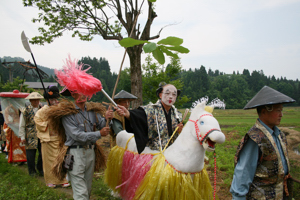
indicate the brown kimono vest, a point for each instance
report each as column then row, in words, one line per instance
column 268, row 182
column 30, row 129
column 155, row 110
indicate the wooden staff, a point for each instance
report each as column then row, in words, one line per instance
column 296, row 180
column 117, row 81
column 185, row 114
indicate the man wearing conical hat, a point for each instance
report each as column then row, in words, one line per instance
column 123, row 98
column 262, row 169
column 27, row 132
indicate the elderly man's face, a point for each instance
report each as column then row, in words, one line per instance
column 34, row 102
column 273, row 118
column 168, row 95
column 79, row 98
column 124, row 102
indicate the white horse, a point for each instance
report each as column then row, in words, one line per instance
column 176, row 173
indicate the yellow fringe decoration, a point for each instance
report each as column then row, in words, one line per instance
column 163, row 182
column 113, row 172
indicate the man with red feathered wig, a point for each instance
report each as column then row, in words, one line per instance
column 81, row 124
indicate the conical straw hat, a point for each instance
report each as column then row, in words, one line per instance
column 34, row 95
column 268, row 96
column 124, row 95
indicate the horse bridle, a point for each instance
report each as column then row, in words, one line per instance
column 200, row 138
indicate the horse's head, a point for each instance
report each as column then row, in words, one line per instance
column 207, row 129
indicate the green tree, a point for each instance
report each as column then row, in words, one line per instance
column 16, row 85
column 256, row 81
column 108, row 18
column 238, row 90
column 124, row 82
column 298, row 93
column 204, row 83
column 286, row 88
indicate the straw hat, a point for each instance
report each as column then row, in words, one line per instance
column 268, row 96
column 124, row 95
column 34, row 95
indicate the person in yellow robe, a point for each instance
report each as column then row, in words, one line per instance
column 49, row 139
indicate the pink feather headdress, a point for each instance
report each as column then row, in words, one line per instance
column 75, row 79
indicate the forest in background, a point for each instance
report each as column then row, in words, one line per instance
column 234, row 89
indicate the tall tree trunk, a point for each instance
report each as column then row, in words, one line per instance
column 134, row 54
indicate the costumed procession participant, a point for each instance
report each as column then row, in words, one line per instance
column 261, row 161
column 143, row 121
column 16, row 149
column 27, row 132
column 1, row 130
column 123, row 98
column 11, row 103
column 78, row 126
column 2, row 134
column 49, row 139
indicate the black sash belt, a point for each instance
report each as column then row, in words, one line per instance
column 91, row 146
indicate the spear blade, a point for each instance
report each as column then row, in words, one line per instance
column 27, row 47
column 25, row 42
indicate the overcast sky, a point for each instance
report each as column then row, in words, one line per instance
column 228, row 36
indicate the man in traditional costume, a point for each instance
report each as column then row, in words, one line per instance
column 261, row 161
column 49, row 139
column 27, row 132
column 123, row 98
column 78, row 126
column 145, row 121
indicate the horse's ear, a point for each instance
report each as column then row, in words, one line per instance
column 209, row 109
column 197, row 110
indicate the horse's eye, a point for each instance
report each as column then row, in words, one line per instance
column 202, row 122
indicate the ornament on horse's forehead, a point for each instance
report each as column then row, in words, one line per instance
column 215, row 103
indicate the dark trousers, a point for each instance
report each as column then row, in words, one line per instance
column 30, row 155
column 3, row 147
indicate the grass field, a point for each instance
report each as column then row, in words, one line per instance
column 16, row 184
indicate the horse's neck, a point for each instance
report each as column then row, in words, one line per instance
column 186, row 154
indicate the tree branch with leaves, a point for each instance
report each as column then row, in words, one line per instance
column 111, row 19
